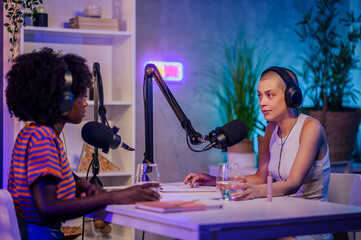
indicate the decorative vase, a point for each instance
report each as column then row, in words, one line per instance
column 341, row 131
column 40, row 17
column 243, row 154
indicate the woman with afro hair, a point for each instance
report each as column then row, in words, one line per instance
column 44, row 188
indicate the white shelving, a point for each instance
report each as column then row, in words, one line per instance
column 115, row 52
column 66, row 32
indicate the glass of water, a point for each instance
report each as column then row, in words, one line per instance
column 227, row 181
column 147, row 173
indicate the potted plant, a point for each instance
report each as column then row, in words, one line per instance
column 328, row 61
column 235, row 77
column 16, row 12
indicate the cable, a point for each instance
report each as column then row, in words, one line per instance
column 282, row 143
column 86, row 178
column 194, row 150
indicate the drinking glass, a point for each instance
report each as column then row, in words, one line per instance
column 93, row 11
column 227, row 181
column 147, row 172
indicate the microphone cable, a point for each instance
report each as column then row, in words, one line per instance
column 190, row 147
column 86, row 179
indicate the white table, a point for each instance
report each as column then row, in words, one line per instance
column 252, row 219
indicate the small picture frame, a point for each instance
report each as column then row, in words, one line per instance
column 87, row 156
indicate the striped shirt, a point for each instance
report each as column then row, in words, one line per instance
column 38, row 152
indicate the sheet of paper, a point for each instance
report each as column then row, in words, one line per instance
column 181, row 187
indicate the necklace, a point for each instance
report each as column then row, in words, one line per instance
column 283, row 143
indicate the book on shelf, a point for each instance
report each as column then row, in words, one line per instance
column 176, row 206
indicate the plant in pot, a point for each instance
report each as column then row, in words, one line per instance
column 16, row 12
column 235, row 77
column 328, row 61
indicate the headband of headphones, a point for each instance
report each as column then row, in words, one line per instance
column 286, row 77
column 67, row 98
column 293, row 94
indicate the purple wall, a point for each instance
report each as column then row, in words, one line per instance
column 1, row 90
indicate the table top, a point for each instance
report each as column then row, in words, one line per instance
column 248, row 213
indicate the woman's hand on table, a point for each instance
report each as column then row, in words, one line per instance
column 201, row 179
column 249, row 190
column 137, row 193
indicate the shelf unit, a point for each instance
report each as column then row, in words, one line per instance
column 115, row 52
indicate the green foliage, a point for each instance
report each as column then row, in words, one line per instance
column 330, row 54
column 236, row 76
column 16, row 14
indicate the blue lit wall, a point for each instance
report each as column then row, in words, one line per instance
column 172, row 30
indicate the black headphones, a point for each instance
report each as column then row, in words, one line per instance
column 293, row 94
column 67, row 99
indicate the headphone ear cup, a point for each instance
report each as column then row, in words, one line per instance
column 66, row 103
column 67, row 100
column 293, row 97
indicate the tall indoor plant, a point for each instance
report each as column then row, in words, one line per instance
column 235, row 76
column 328, row 61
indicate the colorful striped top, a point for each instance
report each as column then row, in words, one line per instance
column 38, row 152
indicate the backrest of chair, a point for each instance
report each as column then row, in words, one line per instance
column 345, row 188
column 9, row 228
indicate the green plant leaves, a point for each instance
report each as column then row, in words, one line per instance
column 16, row 15
column 235, row 75
column 329, row 56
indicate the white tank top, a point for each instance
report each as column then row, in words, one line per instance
column 315, row 185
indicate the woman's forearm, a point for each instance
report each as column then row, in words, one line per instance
column 73, row 208
column 278, row 189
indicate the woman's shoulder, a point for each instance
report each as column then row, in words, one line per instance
column 311, row 126
column 310, row 122
column 271, row 126
column 39, row 131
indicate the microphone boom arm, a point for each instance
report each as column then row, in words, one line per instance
column 101, row 110
column 95, row 156
column 152, row 72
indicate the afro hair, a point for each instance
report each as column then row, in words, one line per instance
column 36, row 84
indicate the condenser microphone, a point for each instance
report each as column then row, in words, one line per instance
column 101, row 136
column 228, row 135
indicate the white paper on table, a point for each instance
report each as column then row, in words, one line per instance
column 181, row 187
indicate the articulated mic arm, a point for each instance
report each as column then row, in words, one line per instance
column 151, row 72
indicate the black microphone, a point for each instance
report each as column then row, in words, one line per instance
column 228, row 135
column 101, row 136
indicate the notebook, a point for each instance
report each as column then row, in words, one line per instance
column 176, row 206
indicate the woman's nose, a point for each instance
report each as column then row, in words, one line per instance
column 261, row 101
column 85, row 102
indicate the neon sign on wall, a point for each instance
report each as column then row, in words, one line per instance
column 170, row 71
